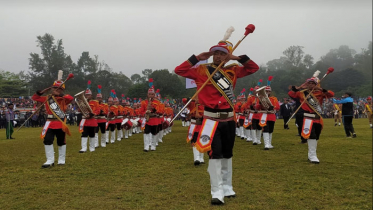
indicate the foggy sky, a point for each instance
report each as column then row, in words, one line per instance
column 131, row 36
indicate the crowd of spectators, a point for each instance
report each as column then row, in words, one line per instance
column 39, row 119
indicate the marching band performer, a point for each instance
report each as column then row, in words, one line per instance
column 161, row 107
column 312, row 119
column 268, row 118
column 248, row 116
column 238, row 108
column 56, row 105
column 337, row 114
column 88, row 124
column 368, row 110
column 196, row 111
column 149, row 108
column 112, row 113
column 184, row 115
column 256, row 131
column 217, row 135
column 127, row 126
column 118, row 118
column 101, row 117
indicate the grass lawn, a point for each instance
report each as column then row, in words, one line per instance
column 122, row 176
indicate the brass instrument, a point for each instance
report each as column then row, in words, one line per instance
column 147, row 113
column 263, row 98
column 83, row 104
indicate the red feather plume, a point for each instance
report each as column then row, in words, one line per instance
column 251, row 89
column 89, row 82
column 157, row 90
column 113, row 91
column 99, row 86
column 260, row 80
column 122, row 95
column 270, row 78
column 150, row 79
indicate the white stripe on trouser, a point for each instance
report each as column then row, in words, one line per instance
column 226, row 169
column 216, row 180
column 49, row 153
column 61, row 154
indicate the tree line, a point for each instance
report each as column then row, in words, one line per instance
column 353, row 72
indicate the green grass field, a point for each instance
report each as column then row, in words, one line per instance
column 122, row 176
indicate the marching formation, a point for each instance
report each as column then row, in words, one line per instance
column 213, row 116
column 115, row 120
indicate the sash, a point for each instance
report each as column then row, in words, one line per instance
column 45, row 129
column 206, row 135
column 124, row 121
column 222, row 83
column 248, row 120
column 263, row 120
column 307, row 127
column 313, row 103
column 81, row 125
column 106, row 125
column 191, row 130
column 143, row 124
column 58, row 113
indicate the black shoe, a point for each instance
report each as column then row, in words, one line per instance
column 216, row 201
column 196, row 163
column 47, row 165
column 145, row 150
column 255, row 143
column 202, row 163
column 12, row 138
column 266, row 148
column 287, row 128
column 82, row 151
column 230, row 196
column 335, row 124
column 354, row 135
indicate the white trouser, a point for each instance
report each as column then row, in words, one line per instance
column 248, row 135
column 119, row 135
column 103, row 139
column 112, row 136
column 92, row 142
column 241, row 132
column 154, row 141
column 61, row 154
column 49, row 153
column 96, row 139
column 147, row 138
column 126, row 133
column 160, row 135
column 216, row 179
column 266, row 140
column 270, row 141
column 84, row 141
column 312, row 147
column 107, row 136
column 226, row 169
column 258, row 136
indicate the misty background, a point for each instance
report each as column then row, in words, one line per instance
column 127, row 38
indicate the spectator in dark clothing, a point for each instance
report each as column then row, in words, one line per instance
column 347, row 113
column 285, row 111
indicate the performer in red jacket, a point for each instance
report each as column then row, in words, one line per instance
column 217, row 134
column 89, row 123
column 56, row 105
column 312, row 119
column 268, row 116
